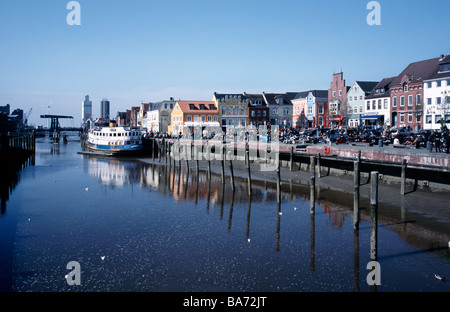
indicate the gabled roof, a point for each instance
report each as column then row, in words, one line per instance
column 218, row 96
column 367, row 86
column 418, row 71
column 436, row 75
column 383, row 84
column 271, row 98
column 195, row 106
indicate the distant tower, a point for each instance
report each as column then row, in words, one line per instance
column 86, row 110
column 104, row 109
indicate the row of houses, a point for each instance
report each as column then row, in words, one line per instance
column 418, row 98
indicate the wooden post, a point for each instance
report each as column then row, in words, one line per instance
column 278, row 177
column 249, row 182
column 318, row 165
column 312, row 166
column 231, row 173
column 292, row 159
column 403, row 178
column 312, row 195
column 373, row 215
column 153, row 148
column 356, row 195
column 223, row 164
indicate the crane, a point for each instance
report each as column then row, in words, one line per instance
column 26, row 116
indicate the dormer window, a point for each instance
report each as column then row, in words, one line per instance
column 211, row 106
column 444, row 67
column 192, row 106
column 405, row 87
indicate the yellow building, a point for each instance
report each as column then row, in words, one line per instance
column 192, row 114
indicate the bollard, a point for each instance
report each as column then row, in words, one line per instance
column 223, row 165
column 373, row 215
column 318, row 165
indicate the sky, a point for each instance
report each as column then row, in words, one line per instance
column 133, row 51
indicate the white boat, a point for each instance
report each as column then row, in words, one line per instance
column 115, row 140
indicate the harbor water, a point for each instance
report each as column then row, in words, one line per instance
column 133, row 226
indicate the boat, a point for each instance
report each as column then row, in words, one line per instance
column 115, row 140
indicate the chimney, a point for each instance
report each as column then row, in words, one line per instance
column 442, row 57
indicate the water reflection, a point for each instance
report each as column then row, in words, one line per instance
column 256, row 216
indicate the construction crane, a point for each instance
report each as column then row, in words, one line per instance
column 26, row 116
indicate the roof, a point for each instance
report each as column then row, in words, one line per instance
column 195, row 106
column 271, row 98
column 367, row 86
column 384, row 83
column 418, row 71
column 436, row 75
column 224, row 95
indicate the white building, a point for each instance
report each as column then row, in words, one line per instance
column 436, row 96
column 158, row 116
column 377, row 106
column 86, row 110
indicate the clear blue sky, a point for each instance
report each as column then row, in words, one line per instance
column 150, row 50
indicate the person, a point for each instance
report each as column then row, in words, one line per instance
column 431, row 139
column 409, row 141
column 396, row 141
column 437, row 142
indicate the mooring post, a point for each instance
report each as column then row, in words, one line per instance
column 373, row 215
column 223, row 165
column 249, row 182
column 291, row 165
column 153, row 148
column 231, row 173
column 278, row 177
column 318, row 165
column 403, row 178
column 356, row 194
column 312, row 196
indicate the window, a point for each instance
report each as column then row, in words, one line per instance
column 429, row 101
column 419, row 117
column 203, row 118
column 379, row 104
column 243, row 122
column 402, row 101
column 429, row 84
column 394, row 102
column 230, row 110
column 410, row 117
column 360, row 109
column 355, row 110
column 264, row 113
column 410, row 100
column 334, row 93
column 216, row 118
column 437, row 118
column 368, row 105
column 385, row 103
column 438, row 100
column 444, row 67
column 419, row 99
column 189, row 118
column 447, row 118
column 224, row 110
column 405, row 88
column 320, row 109
column 211, row 106
column 438, row 83
column 196, row 118
column 258, row 113
column 402, row 118
column 242, row 110
column 340, row 92
column 374, row 105
column 448, row 82
column 428, row 119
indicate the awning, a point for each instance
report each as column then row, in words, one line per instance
column 373, row 117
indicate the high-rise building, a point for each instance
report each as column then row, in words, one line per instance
column 86, row 110
column 104, row 109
